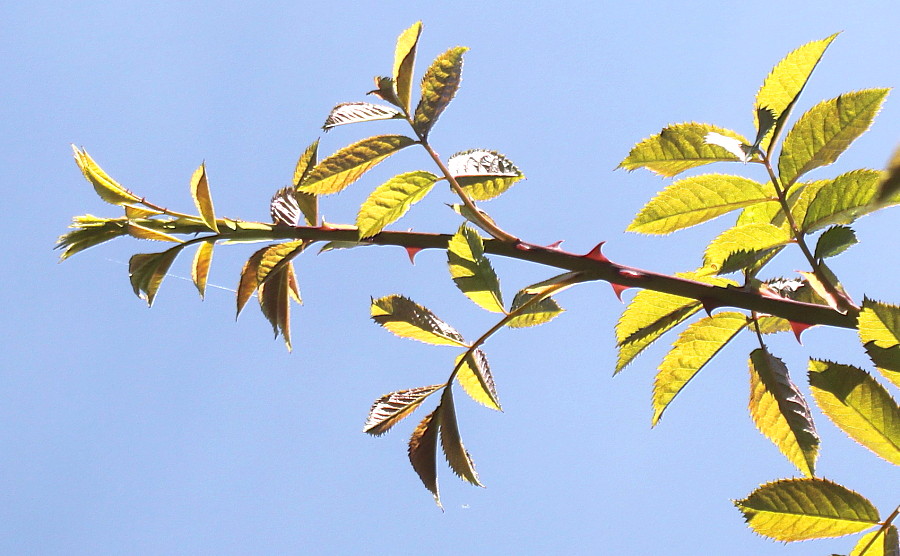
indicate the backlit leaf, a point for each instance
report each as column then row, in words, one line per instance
column 408, row 319
column 483, row 174
column 423, row 451
column 390, row 409
column 275, row 300
column 457, row 456
column 679, row 147
column 404, row 60
column 355, row 112
column 475, row 377
column 306, row 163
column 784, row 84
column 346, row 166
column 826, row 130
column 277, row 256
column 472, row 271
column 89, row 231
column 696, row 199
column 890, row 185
column 780, row 412
column 841, row 200
column 802, row 509
column 200, row 266
column 695, row 347
column 834, row 241
column 143, row 232
column 106, row 187
column 386, row 90
column 883, row 542
column 249, row 280
column 147, row 270
column 439, row 86
column 391, row 200
column 879, row 331
column 285, row 209
column 202, row 199
column 537, row 312
column 742, row 246
column 859, row 405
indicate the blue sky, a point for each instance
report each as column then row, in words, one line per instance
column 175, row 430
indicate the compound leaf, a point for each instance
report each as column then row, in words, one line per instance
column 742, row 246
column 346, row 165
column 859, row 405
column 802, row 509
column 391, row 200
column 780, row 412
column 472, row 271
column 680, row 147
column 202, row 198
column 451, row 442
column 475, row 377
column 390, row 409
column 107, row 188
column 696, row 199
column 408, row 319
column 439, row 86
column 695, row 347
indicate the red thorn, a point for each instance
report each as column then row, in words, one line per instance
column 595, row 254
column 618, row 289
column 555, row 244
column 412, row 252
column 710, row 304
column 798, row 328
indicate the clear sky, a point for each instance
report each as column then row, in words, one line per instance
column 175, row 430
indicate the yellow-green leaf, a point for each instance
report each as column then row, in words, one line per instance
column 834, row 241
column 249, row 280
column 890, row 185
column 202, row 198
column 423, row 451
column 802, row 509
column 780, row 412
column 841, row 200
column 346, row 166
column 483, row 174
column 859, row 405
column 147, row 270
column 783, row 85
column 275, row 300
column 439, row 86
column 695, row 347
column 696, row 199
column 306, row 163
column 826, row 130
column 879, row 331
column 408, row 319
column 742, row 246
column 308, row 203
column 88, row 231
column 451, row 442
column 475, row 377
column 404, row 60
column 883, row 542
column 537, row 312
column 106, row 187
column 355, row 112
column 390, row 409
column 143, row 232
column 277, row 256
column 472, row 271
column 200, row 266
column 391, row 200
column 679, row 147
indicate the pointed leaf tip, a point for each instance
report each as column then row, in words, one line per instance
column 202, row 198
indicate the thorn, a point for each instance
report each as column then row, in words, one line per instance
column 710, row 304
column 618, row 289
column 595, row 254
column 412, row 252
column 555, row 244
column 798, row 328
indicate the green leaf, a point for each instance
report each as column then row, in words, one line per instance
column 143, row 232
column 407, row 319
column 404, row 60
column 391, row 200
column 355, row 112
column 346, row 166
column 475, row 377
column 859, row 405
column 277, row 256
column 249, row 279
column 742, row 246
column 841, row 200
column 457, row 456
column 890, row 185
column 306, row 163
column 651, row 314
column 680, row 147
column 696, row 199
column 879, row 331
column 536, row 313
column 88, row 231
column 390, row 409
column 883, row 542
column 439, row 86
column 202, row 199
column 472, row 271
column 695, row 347
column 783, row 85
column 106, row 187
column 200, row 266
column 147, row 270
column 483, row 174
column 826, row 130
column 780, row 412
column 834, row 241
column 802, row 509
column 423, row 451
column 386, row 90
